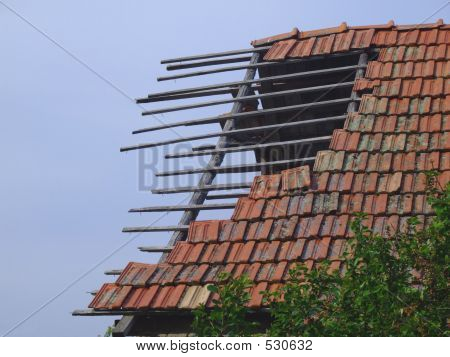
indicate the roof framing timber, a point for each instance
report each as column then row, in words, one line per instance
column 236, row 168
column 179, row 228
column 225, row 186
column 183, row 207
column 255, row 80
column 237, row 68
column 251, row 97
column 216, row 54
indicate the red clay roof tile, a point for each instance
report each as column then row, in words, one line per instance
column 265, row 186
column 295, row 179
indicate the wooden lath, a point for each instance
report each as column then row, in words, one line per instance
column 257, row 122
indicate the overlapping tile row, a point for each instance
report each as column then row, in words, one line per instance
column 343, row 38
column 376, row 164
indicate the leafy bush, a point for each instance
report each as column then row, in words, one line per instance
column 228, row 316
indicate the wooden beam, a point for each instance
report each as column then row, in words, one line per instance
column 250, row 147
column 362, row 61
column 205, row 93
column 238, row 116
column 215, row 54
column 240, row 67
column 207, row 177
column 92, row 312
column 113, row 272
column 201, row 207
column 153, row 249
column 156, row 229
column 226, row 196
column 182, row 139
column 218, row 187
column 250, row 98
column 235, row 168
column 173, row 67
column 282, row 77
column 205, row 149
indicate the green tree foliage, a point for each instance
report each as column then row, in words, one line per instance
column 387, row 286
column 228, row 316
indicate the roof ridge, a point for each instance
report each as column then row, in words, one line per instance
column 295, row 33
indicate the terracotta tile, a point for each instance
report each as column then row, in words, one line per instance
column 252, row 270
column 194, row 296
column 265, row 251
column 136, row 274
column 145, row 298
column 314, row 225
column 394, row 182
column 279, row 50
column 259, row 230
column 171, row 274
column 276, row 208
column 180, row 253
column 278, row 272
column 248, row 209
column 161, row 270
column 104, row 296
column 337, row 248
column 195, row 253
column 175, row 296
column 270, row 40
column 132, row 300
column 245, row 253
column 161, row 297
column 370, row 182
column 185, row 274
column 203, row 231
column 321, row 248
column 256, row 295
column 265, row 186
column 264, row 272
column 283, row 229
column 295, row 179
column 340, row 226
column 322, row 180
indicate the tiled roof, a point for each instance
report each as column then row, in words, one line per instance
column 375, row 164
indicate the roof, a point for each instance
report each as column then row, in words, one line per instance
column 375, row 164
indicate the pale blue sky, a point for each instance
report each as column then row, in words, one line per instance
column 65, row 188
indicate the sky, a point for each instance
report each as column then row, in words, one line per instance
column 69, row 74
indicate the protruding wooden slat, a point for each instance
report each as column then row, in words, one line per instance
column 282, row 77
column 235, row 168
column 240, row 67
column 262, row 127
column 207, row 177
column 215, row 54
column 250, row 147
column 174, row 67
column 217, row 187
column 226, row 196
column 153, row 249
column 156, row 229
column 201, row 207
column 262, row 112
column 203, row 147
column 205, row 93
column 179, row 140
column 251, row 97
column 113, row 272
